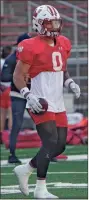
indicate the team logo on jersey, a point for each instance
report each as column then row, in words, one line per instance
column 20, row 49
column 60, row 48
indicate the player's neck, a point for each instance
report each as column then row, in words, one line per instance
column 49, row 41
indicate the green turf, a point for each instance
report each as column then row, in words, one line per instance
column 8, row 178
column 75, row 178
column 26, row 153
column 60, row 166
column 61, row 193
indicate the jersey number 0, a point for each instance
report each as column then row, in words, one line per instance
column 56, row 66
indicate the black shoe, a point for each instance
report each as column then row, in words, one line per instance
column 54, row 159
column 13, row 159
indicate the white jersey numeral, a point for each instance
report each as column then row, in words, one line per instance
column 54, row 61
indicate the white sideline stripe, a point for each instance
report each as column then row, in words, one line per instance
column 82, row 157
column 13, row 189
column 77, row 157
column 7, row 174
column 49, row 184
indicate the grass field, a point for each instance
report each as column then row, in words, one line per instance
column 66, row 179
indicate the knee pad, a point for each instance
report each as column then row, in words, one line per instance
column 51, row 149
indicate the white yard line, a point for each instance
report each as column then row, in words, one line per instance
column 77, row 157
column 13, row 189
column 69, row 158
column 8, row 174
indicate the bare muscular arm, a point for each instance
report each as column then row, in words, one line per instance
column 19, row 78
column 20, row 73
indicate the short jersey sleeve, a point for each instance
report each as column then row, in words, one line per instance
column 24, row 52
column 68, row 47
column 65, row 42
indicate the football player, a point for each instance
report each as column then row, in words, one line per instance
column 44, row 57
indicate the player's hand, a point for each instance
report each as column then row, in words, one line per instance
column 75, row 89
column 33, row 103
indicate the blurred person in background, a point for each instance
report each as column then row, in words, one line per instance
column 5, row 101
column 4, row 53
column 18, row 103
column 44, row 57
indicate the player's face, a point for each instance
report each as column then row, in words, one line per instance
column 52, row 25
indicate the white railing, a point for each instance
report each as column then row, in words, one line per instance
column 71, row 6
column 2, row 8
column 75, row 20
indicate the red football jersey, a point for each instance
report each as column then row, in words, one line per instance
column 41, row 57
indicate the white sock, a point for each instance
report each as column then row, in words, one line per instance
column 41, row 183
column 29, row 167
